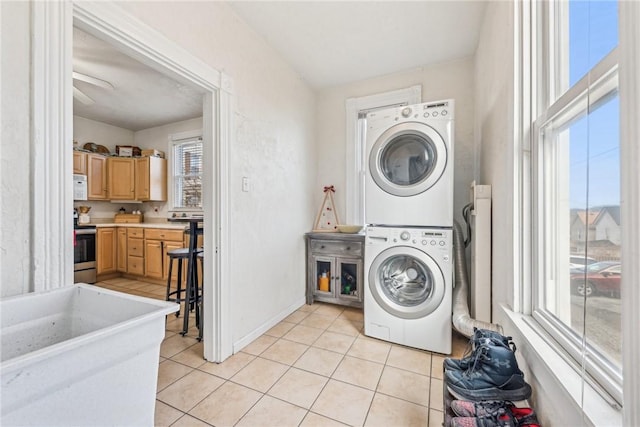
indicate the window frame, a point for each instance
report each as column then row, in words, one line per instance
column 177, row 139
column 595, row 87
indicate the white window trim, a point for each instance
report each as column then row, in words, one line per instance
column 355, row 149
column 173, row 139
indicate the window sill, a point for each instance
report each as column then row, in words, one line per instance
column 557, row 387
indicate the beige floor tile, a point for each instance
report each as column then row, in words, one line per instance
column 280, row 329
column 169, row 372
column 436, row 418
column 229, row 367
column 284, row 351
column 359, row 372
column 296, row 316
column 388, row 411
column 351, row 313
column 317, row 321
column 298, row 387
column 330, row 310
column 319, row 361
column 303, row 334
column 260, row 374
column 334, row 341
column 193, row 356
column 308, row 308
column 165, row 415
column 185, row 393
column 435, row 395
column 315, row 420
column 189, row 421
column 411, row 360
column 259, row 345
column 369, row 349
column 343, row 402
column 459, row 344
column 272, row 412
column 175, row 344
column 405, row 385
column 437, row 367
column 347, row 327
column 226, row 405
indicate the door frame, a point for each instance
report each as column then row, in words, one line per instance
column 52, row 134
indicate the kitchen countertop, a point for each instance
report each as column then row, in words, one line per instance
column 184, row 226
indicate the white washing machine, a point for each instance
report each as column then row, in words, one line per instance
column 409, row 166
column 409, row 275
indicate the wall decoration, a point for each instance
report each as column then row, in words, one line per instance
column 327, row 219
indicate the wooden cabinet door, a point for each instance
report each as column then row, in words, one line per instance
column 96, row 177
column 142, row 179
column 79, row 163
column 169, row 246
column 106, row 256
column 122, row 250
column 151, row 179
column 121, row 178
column 153, row 259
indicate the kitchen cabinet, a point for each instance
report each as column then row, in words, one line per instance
column 151, row 179
column 96, row 177
column 106, row 253
column 121, row 178
column 121, row 251
column 79, row 163
column 158, row 242
column 135, row 251
column 335, row 268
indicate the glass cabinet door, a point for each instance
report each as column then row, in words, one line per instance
column 323, row 270
column 349, row 278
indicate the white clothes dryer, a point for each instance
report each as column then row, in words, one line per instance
column 409, row 166
column 408, row 298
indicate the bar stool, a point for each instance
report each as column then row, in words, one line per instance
column 180, row 256
column 200, row 256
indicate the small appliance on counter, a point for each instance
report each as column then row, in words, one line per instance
column 84, row 250
column 84, row 217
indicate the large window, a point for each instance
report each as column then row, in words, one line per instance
column 577, row 185
column 187, row 173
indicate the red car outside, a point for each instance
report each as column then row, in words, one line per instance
column 598, row 278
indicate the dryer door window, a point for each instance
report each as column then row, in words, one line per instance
column 406, row 282
column 408, row 159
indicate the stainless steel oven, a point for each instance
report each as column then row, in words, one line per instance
column 84, row 254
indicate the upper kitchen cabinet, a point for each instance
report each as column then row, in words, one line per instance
column 96, row 177
column 142, row 179
column 79, row 163
column 151, row 179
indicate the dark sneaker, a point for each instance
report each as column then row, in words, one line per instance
column 479, row 336
column 503, row 420
column 466, row 408
column 493, row 375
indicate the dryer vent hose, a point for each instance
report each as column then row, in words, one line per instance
column 461, row 319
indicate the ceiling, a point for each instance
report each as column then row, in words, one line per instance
column 328, row 43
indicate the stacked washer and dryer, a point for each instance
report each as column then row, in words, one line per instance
column 409, row 216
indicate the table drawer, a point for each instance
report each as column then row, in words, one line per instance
column 135, row 232
column 336, row 248
column 160, row 234
column 135, row 247
column 135, row 265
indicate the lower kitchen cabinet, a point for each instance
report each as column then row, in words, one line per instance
column 158, row 242
column 335, row 268
column 121, row 264
column 106, row 243
column 135, row 251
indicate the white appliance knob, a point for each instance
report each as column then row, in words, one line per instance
column 426, row 115
column 424, row 242
column 406, row 112
column 444, row 112
column 446, row 257
column 433, row 243
column 441, row 242
column 405, row 235
column 414, row 241
column 434, row 114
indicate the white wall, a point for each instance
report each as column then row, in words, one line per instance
column 87, row 130
column 441, row 81
column 273, row 146
column 15, row 151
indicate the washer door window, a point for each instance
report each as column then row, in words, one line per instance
column 408, row 159
column 406, row 282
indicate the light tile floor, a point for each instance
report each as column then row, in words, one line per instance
column 315, row 368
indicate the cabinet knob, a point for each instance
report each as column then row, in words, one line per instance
column 348, row 248
column 322, row 247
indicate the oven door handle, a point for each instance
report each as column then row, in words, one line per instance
column 80, row 231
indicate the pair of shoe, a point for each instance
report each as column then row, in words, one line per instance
column 490, row 372
column 491, row 414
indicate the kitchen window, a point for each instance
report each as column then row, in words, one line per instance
column 576, row 185
column 187, row 173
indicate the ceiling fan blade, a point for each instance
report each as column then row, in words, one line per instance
column 92, row 80
column 77, row 94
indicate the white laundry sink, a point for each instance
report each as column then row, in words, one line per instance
column 80, row 355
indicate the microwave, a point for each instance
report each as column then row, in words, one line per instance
column 79, row 187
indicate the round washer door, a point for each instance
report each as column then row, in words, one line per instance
column 408, row 159
column 406, row 282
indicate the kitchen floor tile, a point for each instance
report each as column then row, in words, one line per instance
column 334, row 341
column 437, row 366
column 370, row 349
column 315, row 420
column 343, row 402
column 303, row 334
column 405, row 385
column 308, row 308
column 175, row 344
column 329, row 310
column 229, row 367
column 189, row 421
column 273, row 412
column 436, row 418
column 280, row 329
column 192, row 356
column 165, row 415
column 260, row 374
column 226, row 405
column 347, row 327
column 259, row 345
column 296, row 316
column 189, row 390
column 169, row 372
column 317, row 321
column 351, row 313
column 410, row 360
column 298, row 387
column 284, row 351
column 359, row 372
column 319, row 361
column 436, row 400
column 388, row 411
